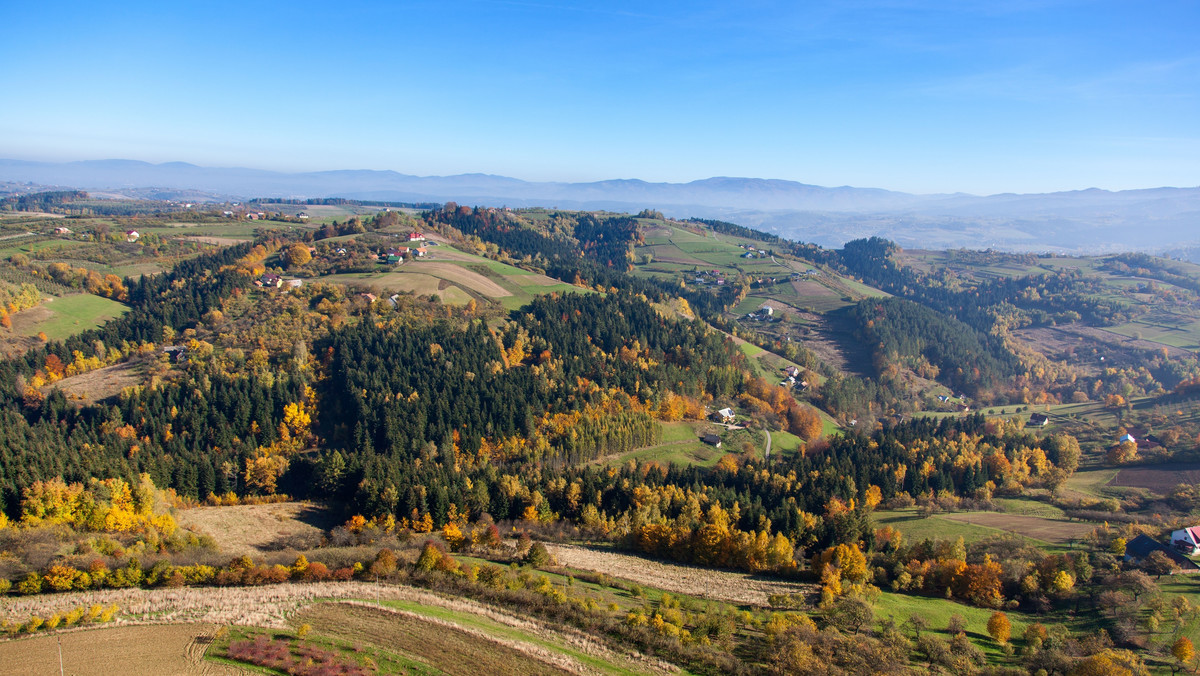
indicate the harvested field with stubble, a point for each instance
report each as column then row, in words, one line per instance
column 1158, row 478
column 1057, row 531
column 459, row 275
column 162, row 650
column 252, row 529
column 90, row 387
column 718, row 585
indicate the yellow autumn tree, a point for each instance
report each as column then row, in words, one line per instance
column 1183, row 650
column 999, row 628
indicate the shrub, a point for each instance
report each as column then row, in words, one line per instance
column 384, row 564
column 30, row 584
column 538, row 555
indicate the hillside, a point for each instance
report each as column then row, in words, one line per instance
column 680, row 444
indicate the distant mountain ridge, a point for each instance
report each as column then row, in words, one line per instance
column 1076, row 221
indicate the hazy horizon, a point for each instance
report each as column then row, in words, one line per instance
column 910, row 96
column 598, row 180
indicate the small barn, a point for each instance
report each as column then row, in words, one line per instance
column 1142, row 546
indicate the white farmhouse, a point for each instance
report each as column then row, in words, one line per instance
column 1187, row 540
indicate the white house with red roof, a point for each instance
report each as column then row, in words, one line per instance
column 416, row 237
column 1187, row 540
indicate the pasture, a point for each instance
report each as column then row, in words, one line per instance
column 915, row 528
column 1049, row 533
column 66, row 316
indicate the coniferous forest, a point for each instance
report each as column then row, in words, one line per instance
column 428, row 429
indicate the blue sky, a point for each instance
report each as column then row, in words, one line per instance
column 969, row 96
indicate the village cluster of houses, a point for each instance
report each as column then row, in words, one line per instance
column 130, row 235
column 273, row 281
column 713, row 277
column 765, row 313
column 791, row 379
column 724, row 416
column 398, row 254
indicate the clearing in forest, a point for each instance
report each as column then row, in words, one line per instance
column 252, row 529
column 93, row 386
column 66, row 316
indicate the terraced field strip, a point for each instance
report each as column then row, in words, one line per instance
column 282, row 606
column 494, row 628
column 442, row 645
column 718, row 585
column 460, row 275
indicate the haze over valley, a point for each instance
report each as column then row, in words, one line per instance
column 1082, row 221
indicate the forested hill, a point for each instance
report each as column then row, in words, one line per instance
column 904, row 333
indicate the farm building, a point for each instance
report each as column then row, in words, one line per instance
column 725, row 415
column 712, row 440
column 132, row 235
column 1142, row 546
column 1187, row 540
column 1038, row 419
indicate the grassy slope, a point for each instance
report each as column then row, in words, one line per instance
column 916, row 529
column 75, row 313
